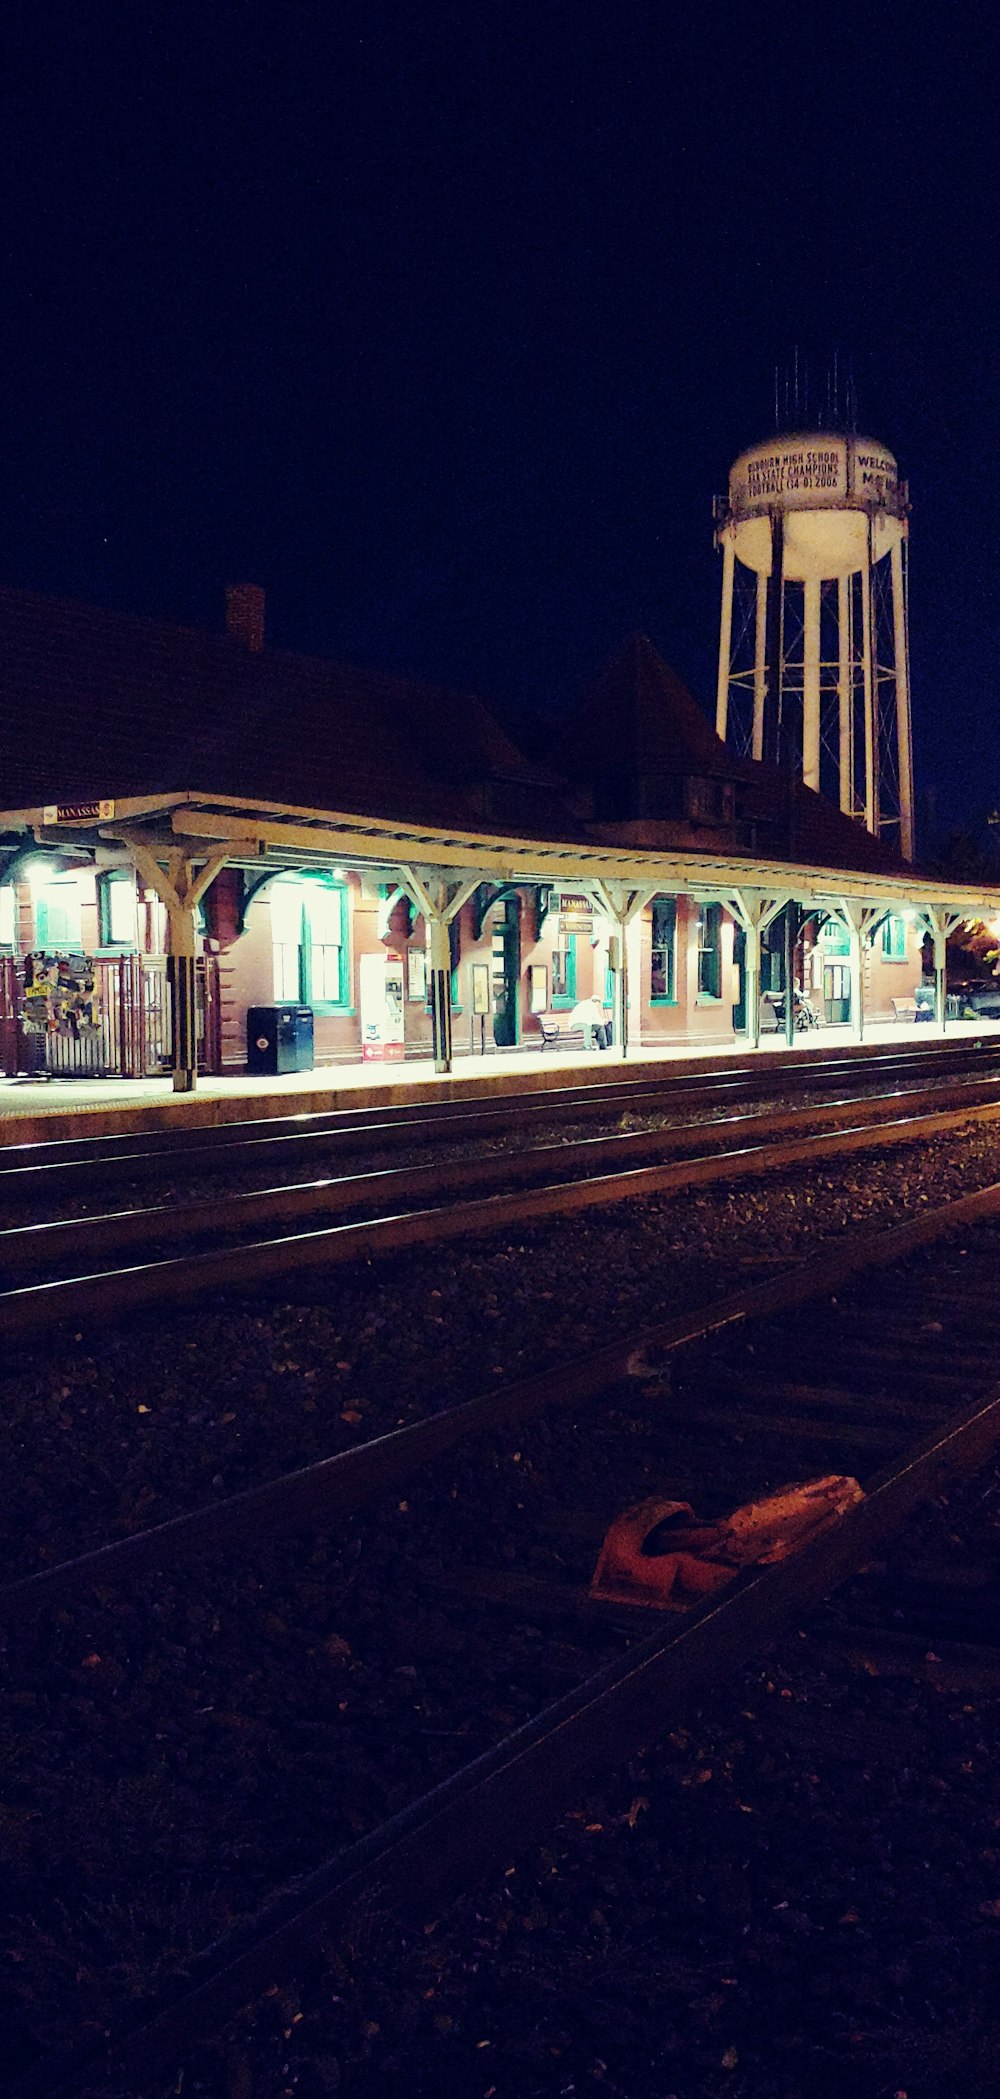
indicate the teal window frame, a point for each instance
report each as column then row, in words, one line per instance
column 835, row 938
column 663, row 918
column 710, row 951
column 49, row 942
column 108, row 878
column 566, row 997
column 894, row 938
column 8, row 942
column 304, row 995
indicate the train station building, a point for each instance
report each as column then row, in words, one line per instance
column 216, row 855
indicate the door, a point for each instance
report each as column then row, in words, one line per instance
column 740, row 972
column 837, row 991
column 506, row 972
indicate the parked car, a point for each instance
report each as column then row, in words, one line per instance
column 985, row 1001
column 978, row 1000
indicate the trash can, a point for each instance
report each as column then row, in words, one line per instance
column 279, row 1039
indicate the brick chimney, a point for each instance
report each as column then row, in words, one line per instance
column 245, row 615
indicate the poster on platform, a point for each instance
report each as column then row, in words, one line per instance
column 61, row 995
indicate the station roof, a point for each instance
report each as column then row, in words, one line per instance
column 107, row 705
column 193, row 735
column 640, row 721
column 656, row 724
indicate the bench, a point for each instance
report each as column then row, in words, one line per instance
column 904, row 1009
column 558, row 1034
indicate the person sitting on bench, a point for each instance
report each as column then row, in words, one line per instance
column 589, row 1014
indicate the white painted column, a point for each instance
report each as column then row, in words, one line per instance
column 751, row 965
column 633, row 953
column 940, row 940
column 620, row 959
column 760, row 667
column 857, row 967
column 904, row 742
column 725, row 635
column 810, row 684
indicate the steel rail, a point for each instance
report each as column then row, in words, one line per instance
column 182, row 1278
column 40, row 1164
column 490, row 1810
column 338, row 1486
column 33, row 1245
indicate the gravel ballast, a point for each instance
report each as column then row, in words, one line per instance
column 277, row 1384
column 115, row 1430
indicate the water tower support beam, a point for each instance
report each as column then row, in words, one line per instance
column 725, row 636
column 760, row 667
column 845, row 691
column 868, row 675
column 775, row 632
column 904, row 746
column 810, row 684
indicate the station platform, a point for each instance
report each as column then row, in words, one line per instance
column 33, row 1109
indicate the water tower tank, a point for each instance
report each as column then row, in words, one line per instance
column 813, row 655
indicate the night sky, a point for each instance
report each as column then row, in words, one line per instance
column 444, row 322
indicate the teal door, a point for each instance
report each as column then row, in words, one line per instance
column 740, row 966
column 506, row 973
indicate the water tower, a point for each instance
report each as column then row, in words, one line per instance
column 813, row 647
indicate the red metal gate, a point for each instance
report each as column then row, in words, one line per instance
column 132, row 1038
column 9, row 1008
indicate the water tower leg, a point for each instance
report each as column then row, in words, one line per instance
column 775, row 636
column 904, row 747
column 868, row 675
column 725, row 637
column 760, row 667
column 810, row 685
column 845, row 690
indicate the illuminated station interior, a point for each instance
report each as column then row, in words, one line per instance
column 227, row 859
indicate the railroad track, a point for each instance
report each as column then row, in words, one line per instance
column 203, row 1246
column 803, row 1374
column 42, row 1169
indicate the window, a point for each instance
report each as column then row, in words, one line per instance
column 58, row 924
column 564, row 971
column 710, row 951
column 664, row 942
column 708, row 801
column 894, row 938
column 286, row 938
column 836, row 938
column 324, row 928
column 116, row 908
column 307, row 938
column 8, row 916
